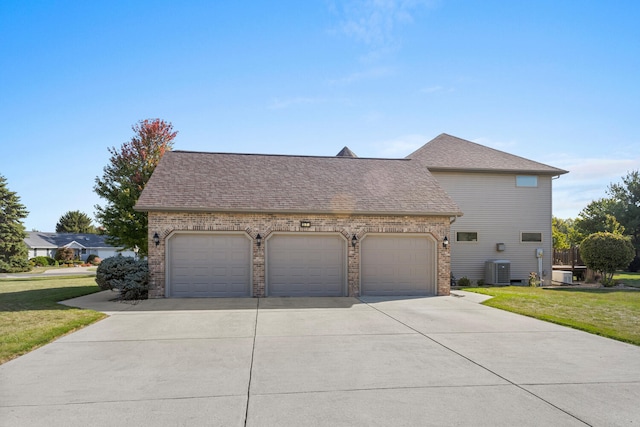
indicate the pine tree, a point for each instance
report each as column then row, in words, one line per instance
column 75, row 222
column 13, row 250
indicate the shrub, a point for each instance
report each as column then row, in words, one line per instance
column 464, row 281
column 480, row 282
column 65, row 255
column 93, row 259
column 43, row 261
column 129, row 276
column 606, row 253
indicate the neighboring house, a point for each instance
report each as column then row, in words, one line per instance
column 506, row 202
column 223, row 225
column 46, row 244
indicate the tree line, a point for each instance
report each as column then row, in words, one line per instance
column 617, row 214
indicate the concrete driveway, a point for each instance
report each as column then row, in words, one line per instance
column 321, row 361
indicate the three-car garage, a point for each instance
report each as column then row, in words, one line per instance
column 219, row 264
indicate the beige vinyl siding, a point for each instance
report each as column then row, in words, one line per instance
column 499, row 212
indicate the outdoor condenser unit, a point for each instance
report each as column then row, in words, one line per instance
column 497, row 272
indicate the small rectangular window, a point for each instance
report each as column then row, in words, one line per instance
column 466, row 236
column 526, row 181
column 527, row 236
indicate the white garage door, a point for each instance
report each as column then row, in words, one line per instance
column 398, row 265
column 209, row 265
column 305, row 265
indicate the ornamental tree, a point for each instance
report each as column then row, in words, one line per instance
column 13, row 250
column 123, row 180
column 606, row 253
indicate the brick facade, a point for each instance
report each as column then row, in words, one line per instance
column 165, row 223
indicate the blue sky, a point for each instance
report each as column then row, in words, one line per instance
column 553, row 81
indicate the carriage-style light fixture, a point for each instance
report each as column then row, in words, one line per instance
column 258, row 239
column 354, row 240
column 156, row 239
column 445, row 242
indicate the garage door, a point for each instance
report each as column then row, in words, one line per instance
column 305, row 265
column 398, row 265
column 209, row 265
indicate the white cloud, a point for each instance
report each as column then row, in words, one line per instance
column 373, row 22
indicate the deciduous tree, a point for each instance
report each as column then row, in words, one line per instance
column 13, row 250
column 124, row 178
column 75, row 222
column 599, row 217
column 627, row 205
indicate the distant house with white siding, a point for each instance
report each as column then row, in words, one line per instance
column 506, row 202
column 83, row 244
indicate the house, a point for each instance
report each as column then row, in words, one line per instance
column 232, row 225
column 225, row 225
column 83, row 244
column 506, row 202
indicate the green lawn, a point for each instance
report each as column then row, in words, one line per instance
column 30, row 315
column 611, row 313
column 629, row 279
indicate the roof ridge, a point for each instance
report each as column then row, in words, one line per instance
column 286, row 155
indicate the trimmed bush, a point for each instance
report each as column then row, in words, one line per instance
column 64, row 255
column 464, row 281
column 606, row 253
column 93, row 259
column 43, row 261
column 129, row 276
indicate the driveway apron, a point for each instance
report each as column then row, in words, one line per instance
column 320, row 362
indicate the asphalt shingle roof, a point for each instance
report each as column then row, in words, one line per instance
column 446, row 152
column 40, row 240
column 196, row 181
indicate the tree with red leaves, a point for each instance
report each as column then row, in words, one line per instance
column 124, row 178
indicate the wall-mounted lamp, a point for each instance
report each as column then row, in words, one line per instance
column 258, row 240
column 156, row 239
column 354, row 240
column 445, row 242
column 305, row 224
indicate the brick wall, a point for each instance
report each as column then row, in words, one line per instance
column 165, row 223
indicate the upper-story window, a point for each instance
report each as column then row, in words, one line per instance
column 526, row 181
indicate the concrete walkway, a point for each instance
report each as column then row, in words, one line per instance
column 321, row 362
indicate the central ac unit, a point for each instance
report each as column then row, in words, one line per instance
column 497, row 272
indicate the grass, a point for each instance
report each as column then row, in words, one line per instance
column 30, row 315
column 612, row 313
column 629, row 279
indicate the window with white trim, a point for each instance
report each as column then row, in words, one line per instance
column 526, row 181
